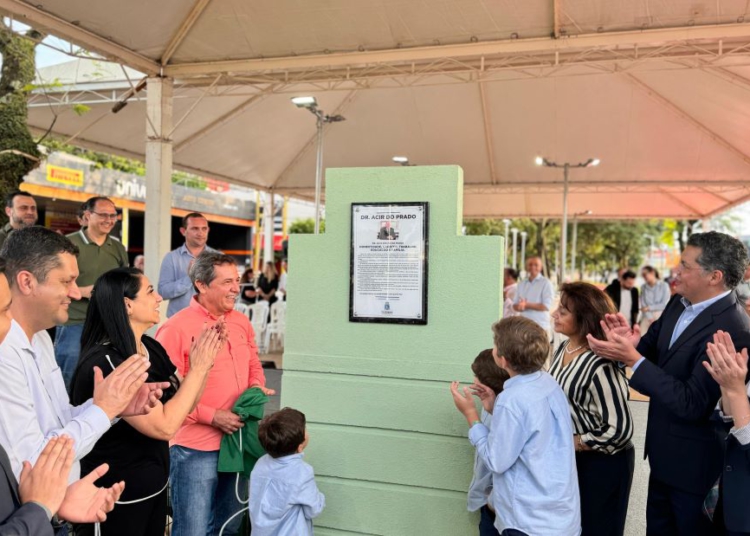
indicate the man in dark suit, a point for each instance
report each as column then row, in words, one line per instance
column 624, row 287
column 30, row 508
column 387, row 232
column 667, row 364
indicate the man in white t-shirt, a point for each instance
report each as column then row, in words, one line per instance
column 624, row 294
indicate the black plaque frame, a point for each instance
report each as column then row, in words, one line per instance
column 425, row 265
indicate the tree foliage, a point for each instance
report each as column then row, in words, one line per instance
column 601, row 245
column 120, row 163
column 18, row 150
column 306, row 226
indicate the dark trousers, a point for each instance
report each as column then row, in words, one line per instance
column 487, row 522
column 513, row 532
column 604, row 482
column 674, row 512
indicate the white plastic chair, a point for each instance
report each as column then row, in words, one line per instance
column 242, row 308
column 260, row 321
column 277, row 325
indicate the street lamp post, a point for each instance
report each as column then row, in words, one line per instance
column 541, row 161
column 651, row 249
column 575, row 240
column 524, row 234
column 310, row 104
column 506, row 222
column 515, row 242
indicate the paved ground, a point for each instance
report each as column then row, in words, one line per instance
column 636, row 525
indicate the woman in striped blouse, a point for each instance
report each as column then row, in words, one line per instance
column 597, row 392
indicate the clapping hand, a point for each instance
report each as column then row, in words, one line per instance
column 485, row 394
column 464, row 402
column 203, row 351
column 727, row 366
column 620, row 341
column 46, row 482
column 86, row 503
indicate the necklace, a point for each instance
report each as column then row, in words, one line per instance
column 574, row 349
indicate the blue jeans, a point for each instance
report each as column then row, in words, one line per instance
column 67, row 350
column 202, row 498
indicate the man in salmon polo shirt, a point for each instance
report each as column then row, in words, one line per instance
column 202, row 498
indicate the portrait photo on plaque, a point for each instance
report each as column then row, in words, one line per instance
column 389, row 260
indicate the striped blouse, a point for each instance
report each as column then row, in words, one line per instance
column 597, row 392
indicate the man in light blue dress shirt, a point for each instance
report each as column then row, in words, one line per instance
column 174, row 280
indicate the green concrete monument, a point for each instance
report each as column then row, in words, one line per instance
column 389, row 449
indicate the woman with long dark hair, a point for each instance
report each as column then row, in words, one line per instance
column 597, row 392
column 123, row 306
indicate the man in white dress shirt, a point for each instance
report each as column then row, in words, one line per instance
column 41, row 268
column 534, row 294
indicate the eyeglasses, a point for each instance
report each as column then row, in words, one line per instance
column 105, row 215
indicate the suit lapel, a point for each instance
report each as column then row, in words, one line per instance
column 12, row 483
column 669, row 321
column 702, row 322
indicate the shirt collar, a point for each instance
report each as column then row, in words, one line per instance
column 196, row 305
column 185, row 251
column 290, row 458
column 83, row 236
column 522, row 378
column 702, row 306
column 17, row 337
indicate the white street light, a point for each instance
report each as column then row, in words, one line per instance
column 575, row 240
column 305, row 102
column 321, row 118
column 515, row 246
column 506, row 222
column 566, row 172
column 403, row 160
column 651, row 249
column 524, row 234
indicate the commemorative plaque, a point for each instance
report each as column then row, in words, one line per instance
column 388, row 274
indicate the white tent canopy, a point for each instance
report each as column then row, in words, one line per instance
column 657, row 91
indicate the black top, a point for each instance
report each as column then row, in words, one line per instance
column 268, row 287
column 613, row 291
column 141, row 461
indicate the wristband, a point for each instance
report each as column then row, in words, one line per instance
column 475, row 422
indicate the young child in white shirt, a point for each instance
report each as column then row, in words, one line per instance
column 284, row 498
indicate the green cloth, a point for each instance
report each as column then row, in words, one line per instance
column 232, row 458
column 93, row 261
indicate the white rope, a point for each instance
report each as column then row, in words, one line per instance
column 97, row 526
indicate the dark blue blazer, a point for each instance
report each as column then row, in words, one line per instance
column 15, row 519
column 681, row 442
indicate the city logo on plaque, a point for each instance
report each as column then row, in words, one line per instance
column 387, row 306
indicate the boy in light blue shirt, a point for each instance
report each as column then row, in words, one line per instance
column 486, row 374
column 529, row 445
column 284, row 498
